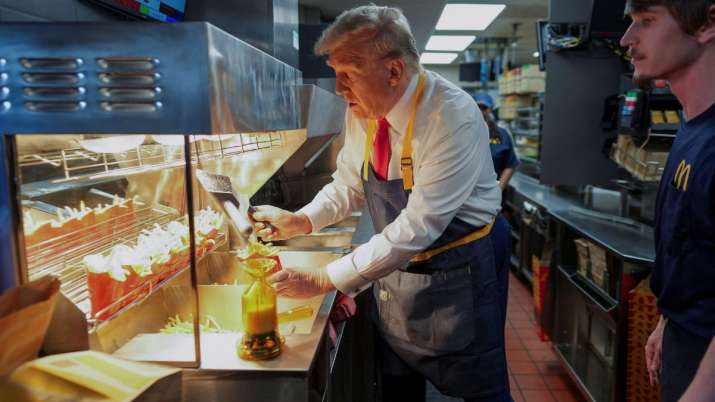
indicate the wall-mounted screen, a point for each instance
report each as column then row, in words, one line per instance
column 158, row 10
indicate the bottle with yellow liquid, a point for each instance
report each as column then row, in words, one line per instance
column 261, row 340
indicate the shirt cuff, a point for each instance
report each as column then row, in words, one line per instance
column 345, row 278
column 314, row 212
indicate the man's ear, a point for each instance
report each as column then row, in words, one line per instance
column 396, row 70
column 707, row 32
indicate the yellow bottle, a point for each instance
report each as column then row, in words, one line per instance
column 261, row 340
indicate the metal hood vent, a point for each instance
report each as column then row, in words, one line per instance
column 188, row 78
column 322, row 112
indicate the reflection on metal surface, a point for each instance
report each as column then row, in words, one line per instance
column 129, row 78
column 232, row 155
column 130, row 93
column 127, row 63
column 130, row 106
column 53, row 78
column 322, row 112
column 112, row 144
column 56, row 63
column 250, row 170
column 55, row 92
column 55, row 106
column 248, row 89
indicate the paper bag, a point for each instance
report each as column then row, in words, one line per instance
column 25, row 314
column 93, row 376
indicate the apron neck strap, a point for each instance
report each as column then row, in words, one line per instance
column 406, row 159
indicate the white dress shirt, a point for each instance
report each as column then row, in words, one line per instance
column 453, row 176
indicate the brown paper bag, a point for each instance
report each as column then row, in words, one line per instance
column 25, row 313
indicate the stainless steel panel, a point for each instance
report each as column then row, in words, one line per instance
column 202, row 81
column 249, row 90
column 183, row 75
column 322, row 112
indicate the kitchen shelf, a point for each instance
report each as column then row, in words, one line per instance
column 525, row 133
column 529, row 159
column 77, row 163
column 62, row 256
column 531, row 146
column 595, row 294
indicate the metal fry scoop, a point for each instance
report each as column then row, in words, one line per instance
column 236, row 206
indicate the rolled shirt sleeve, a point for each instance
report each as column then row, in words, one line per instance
column 345, row 194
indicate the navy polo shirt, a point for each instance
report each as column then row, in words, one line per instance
column 684, row 274
column 503, row 153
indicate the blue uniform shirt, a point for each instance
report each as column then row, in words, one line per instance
column 503, row 153
column 684, row 274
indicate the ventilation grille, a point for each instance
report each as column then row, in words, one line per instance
column 53, row 84
column 129, row 84
column 4, row 89
column 61, row 84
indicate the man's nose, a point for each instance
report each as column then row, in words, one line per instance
column 628, row 38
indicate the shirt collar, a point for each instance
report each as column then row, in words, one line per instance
column 399, row 115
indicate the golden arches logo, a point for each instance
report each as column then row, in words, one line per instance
column 682, row 175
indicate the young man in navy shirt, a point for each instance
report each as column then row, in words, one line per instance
column 674, row 40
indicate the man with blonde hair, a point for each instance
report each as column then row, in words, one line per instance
column 417, row 155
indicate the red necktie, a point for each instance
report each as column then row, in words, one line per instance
column 381, row 149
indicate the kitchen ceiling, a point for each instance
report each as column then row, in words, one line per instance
column 423, row 15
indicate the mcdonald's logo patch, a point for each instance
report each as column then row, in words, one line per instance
column 495, row 141
column 682, row 175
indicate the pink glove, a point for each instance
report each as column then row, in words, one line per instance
column 301, row 284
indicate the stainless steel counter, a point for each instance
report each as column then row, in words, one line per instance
column 299, row 374
column 631, row 242
column 540, row 194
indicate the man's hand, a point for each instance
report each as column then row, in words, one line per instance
column 653, row 350
column 301, row 284
column 271, row 223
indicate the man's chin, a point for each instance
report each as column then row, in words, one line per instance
column 360, row 113
column 643, row 81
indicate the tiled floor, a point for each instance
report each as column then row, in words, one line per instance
column 535, row 373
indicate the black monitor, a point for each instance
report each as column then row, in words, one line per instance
column 469, row 72
column 608, row 19
column 156, row 10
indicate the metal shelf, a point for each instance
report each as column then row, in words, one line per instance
column 529, row 159
column 525, row 133
column 531, row 146
column 62, row 256
column 75, row 164
column 528, row 109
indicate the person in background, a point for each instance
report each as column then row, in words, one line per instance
column 416, row 154
column 674, row 40
column 501, row 144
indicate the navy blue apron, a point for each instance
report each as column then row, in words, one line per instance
column 445, row 317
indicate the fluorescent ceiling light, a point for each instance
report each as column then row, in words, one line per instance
column 449, row 42
column 468, row 17
column 437, row 58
